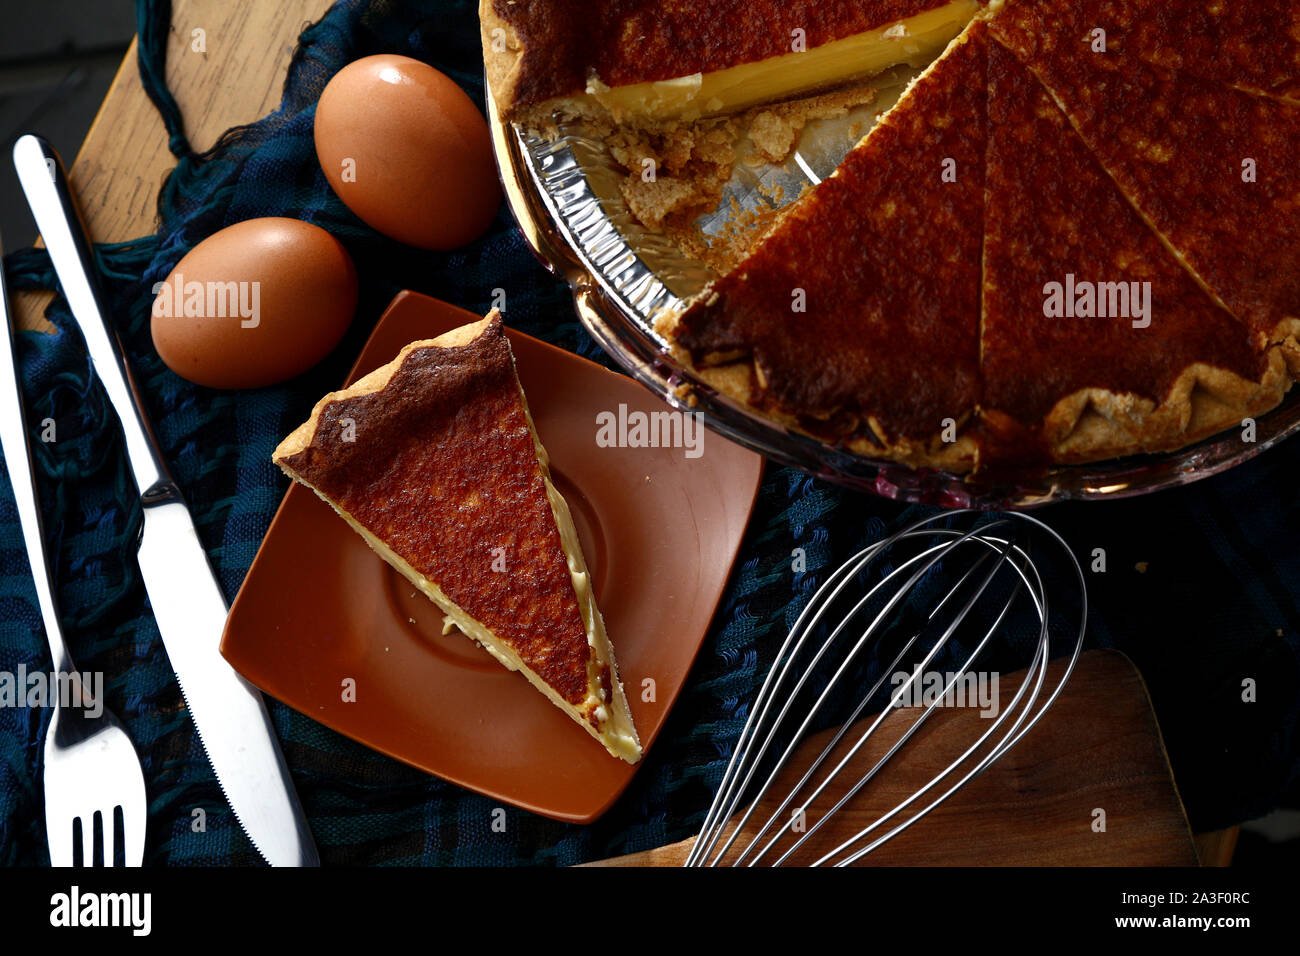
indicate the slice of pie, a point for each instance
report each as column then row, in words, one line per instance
column 651, row 60
column 1132, row 354
column 839, row 323
column 434, row 461
column 1210, row 167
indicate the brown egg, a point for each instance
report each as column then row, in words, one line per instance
column 254, row 304
column 408, row 152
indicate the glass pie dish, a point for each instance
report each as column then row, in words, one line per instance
column 565, row 194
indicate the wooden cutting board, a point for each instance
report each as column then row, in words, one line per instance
column 1097, row 749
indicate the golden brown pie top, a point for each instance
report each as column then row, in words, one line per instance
column 884, row 260
column 1254, row 44
column 623, row 42
column 440, row 465
column 1211, row 167
column 1052, row 214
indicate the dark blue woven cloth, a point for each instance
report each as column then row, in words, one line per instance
column 1219, row 600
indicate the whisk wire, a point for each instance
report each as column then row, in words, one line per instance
column 897, row 696
column 733, row 787
column 916, row 725
column 774, row 706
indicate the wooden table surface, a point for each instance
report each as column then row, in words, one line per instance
column 237, row 79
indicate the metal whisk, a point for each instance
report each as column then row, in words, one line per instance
column 869, row 603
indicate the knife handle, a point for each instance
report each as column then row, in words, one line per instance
column 45, row 184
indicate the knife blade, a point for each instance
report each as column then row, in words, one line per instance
column 229, row 714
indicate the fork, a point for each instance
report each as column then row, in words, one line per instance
column 94, row 788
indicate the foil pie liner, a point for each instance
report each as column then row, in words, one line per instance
column 565, row 194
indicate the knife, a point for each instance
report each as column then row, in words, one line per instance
column 229, row 714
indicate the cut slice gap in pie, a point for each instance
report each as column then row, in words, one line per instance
column 1127, row 352
column 433, row 459
column 857, row 319
column 650, row 62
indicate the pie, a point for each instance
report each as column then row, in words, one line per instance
column 1075, row 237
column 434, row 461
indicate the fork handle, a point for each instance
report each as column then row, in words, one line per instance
column 16, row 445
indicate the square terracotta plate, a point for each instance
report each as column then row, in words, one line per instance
column 660, row 531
